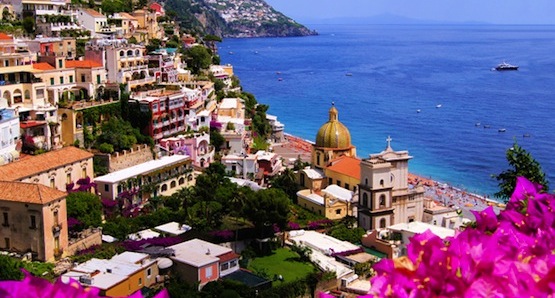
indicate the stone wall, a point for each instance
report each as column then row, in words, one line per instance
column 85, row 239
column 121, row 160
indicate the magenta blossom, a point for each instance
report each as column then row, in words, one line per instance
column 37, row 287
column 509, row 255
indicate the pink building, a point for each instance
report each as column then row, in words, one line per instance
column 196, row 145
column 198, row 261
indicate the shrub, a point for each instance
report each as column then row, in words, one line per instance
column 106, row 148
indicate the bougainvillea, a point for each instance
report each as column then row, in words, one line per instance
column 38, row 287
column 505, row 255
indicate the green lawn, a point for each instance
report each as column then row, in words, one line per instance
column 283, row 261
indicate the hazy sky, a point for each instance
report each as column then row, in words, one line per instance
column 490, row 11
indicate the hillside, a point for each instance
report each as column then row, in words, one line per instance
column 235, row 18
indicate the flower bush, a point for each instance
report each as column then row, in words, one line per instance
column 32, row 286
column 509, row 255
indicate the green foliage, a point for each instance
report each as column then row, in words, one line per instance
column 112, row 6
column 299, row 164
column 230, row 126
column 104, row 251
column 85, row 207
column 153, row 45
column 29, row 25
column 227, row 288
column 286, row 181
column 364, row 270
column 216, row 139
column 267, row 207
column 522, row 164
column 342, row 232
column 282, row 261
column 99, row 168
column 10, row 268
column 106, row 148
column 119, row 133
column 178, row 288
column 198, row 58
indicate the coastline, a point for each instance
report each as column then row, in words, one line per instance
column 441, row 193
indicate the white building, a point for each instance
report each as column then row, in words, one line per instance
column 9, row 133
column 162, row 176
column 242, row 166
column 94, row 21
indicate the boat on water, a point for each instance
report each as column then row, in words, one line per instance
column 487, row 126
column 502, row 130
column 506, row 66
column 349, row 74
column 418, row 111
column 477, row 124
column 438, row 106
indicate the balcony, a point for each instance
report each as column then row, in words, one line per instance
column 56, row 229
column 148, row 80
column 134, row 68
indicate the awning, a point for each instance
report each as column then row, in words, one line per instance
column 29, row 124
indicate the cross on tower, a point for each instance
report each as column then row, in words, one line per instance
column 389, row 139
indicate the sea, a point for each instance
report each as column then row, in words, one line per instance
column 431, row 88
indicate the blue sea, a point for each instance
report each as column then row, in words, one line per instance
column 380, row 76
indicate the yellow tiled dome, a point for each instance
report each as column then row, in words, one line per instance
column 333, row 134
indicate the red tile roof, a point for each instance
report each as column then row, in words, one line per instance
column 228, row 256
column 94, row 13
column 82, row 64
column 346, row 165
column 43, row 66
column 30, row 166
column 28, row 193
column 4, row 36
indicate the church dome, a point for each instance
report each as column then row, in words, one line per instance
column 333, row 134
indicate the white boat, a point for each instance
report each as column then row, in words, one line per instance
column 502, row 130
column 438, row 106
column 418, row 111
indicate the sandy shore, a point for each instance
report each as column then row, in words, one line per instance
column 442, row 193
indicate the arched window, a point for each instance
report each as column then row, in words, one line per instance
column 181, row 180
column 318, row 159
column 164, row 187
column 381, row 183
column 365, row 199
column 382, row 223
column 366, row 181
column 121, row 53
column 172, row 184
column 382, row 200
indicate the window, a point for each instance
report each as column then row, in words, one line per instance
column 61, row 80
column 382, row 223
column 6, row 222
column 60, row 63
column 381, row 183
column 83, row 78
column 68, row 178
column 51, row 81
column 208, row 272
column 148, row 272
column 365, row 199
column 7, row 242
column 224, row 266
column 233, row 263
column 366, row 181
column 106, row 188
column 347, row 186
column 56, row 219
column 330, row 181
column 52, row 183
column 338, row 183
column 164, row 187
column 84, row 173
column 140, row 281
column 98, row 79
column 382, row 201
column 338, row 211
column 33, row 222
column 71, row 79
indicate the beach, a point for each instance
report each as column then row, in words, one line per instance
column 441, row 193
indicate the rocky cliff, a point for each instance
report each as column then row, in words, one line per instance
column 235, row 18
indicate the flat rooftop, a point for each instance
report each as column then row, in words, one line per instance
column 198, row 252
column 324, row 243
column 173, row 228
column 143, row 168
column 417, row 227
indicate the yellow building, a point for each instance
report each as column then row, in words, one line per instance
column 332, row 141
column 334, row 202
column 33, row 220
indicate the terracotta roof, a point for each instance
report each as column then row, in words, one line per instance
column 94, row 13
column 43, row 66
column 30, row 166
column 228, row 256
column 82, row 64
column 346, row 165
column 125, row 15
column 28, row 193
column 4, row 36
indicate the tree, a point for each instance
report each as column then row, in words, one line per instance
column 523, row 164
column 216, row 139
column 286, row 181
column 10, row 268
column 198, row 57
column 267, row 207
column 120, row 134
column 85, row 207
column 29, row 25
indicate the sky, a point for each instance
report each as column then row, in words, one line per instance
column 449, row 11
